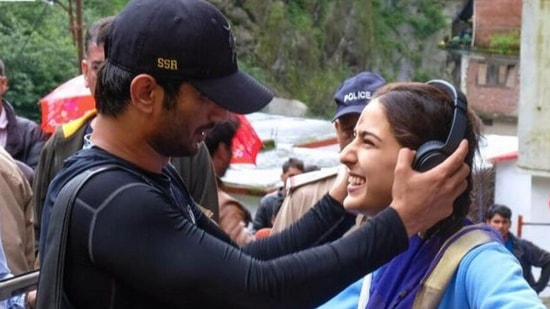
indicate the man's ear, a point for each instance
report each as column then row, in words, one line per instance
column 144, row 90
column 337, row 125
column 3, row 85
column 84, row 69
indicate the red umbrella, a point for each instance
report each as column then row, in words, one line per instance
column 65, row 103
column 246, row 143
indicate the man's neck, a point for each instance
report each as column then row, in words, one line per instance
column 112, row 136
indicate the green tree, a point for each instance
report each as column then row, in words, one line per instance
column 38, row 48
column 37, row 52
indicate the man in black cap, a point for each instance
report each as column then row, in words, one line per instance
column 68, row 138
column 130, row 236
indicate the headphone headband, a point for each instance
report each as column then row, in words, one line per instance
column 433, row 152
column 458, row 125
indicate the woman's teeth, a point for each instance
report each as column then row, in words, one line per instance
column 355, row 180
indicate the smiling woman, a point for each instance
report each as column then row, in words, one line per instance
column 431, row 118
column 414, row 115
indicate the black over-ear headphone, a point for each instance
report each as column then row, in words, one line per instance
column 433, row 152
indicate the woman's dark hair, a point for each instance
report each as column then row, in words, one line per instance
column 112, row 93
column 418, row 113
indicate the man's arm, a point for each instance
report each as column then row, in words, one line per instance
column 35, row 143
column 289, row 281
column 538, row 258
column 28, row 212
column 541, row 284
column 44, row 173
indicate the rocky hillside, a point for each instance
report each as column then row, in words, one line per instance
column 303, row 49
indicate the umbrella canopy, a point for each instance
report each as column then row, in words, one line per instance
column 246, row 143
column 67, row 102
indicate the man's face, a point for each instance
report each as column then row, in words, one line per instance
column 344, row 126
column 292, row 171
column 3, row 87
column 94, row 58
column 177, row 131
column 501, row 224
column 222, row 159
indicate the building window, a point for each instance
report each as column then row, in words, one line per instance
column 496, row 74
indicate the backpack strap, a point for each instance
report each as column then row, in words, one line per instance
column 50, row 285
column 433, row 285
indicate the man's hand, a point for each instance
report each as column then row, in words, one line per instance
column 30, row 300
column 423, row 199
column 339, row 189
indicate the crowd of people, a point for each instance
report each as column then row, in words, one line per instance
column 130, row 196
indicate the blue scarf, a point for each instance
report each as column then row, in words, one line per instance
column 396, row 284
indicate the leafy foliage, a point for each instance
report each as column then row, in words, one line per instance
column 38, row 49
column 38, row 55
column 505, row 43
column 306, row 48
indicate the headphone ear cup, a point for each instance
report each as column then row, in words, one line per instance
column 428, row 155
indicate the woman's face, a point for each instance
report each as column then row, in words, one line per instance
column 371, row 159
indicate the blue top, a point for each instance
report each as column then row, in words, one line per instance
column 482, row 282
column 488, row 276
column 509, row 244
column 479, row 282
column 347, row 299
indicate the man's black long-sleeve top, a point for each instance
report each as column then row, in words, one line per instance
column 134, row 241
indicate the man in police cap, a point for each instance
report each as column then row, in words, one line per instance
column 306, row 189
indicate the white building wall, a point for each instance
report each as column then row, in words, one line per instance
column 534, row 105
column 513, row 189
column 540, row 210
column 541, row 200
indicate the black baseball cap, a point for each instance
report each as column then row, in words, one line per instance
column 187, row 40
column 355, row 92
